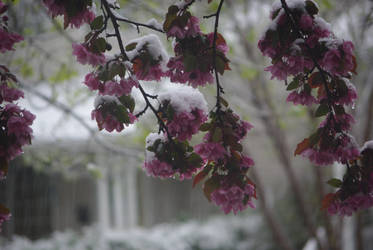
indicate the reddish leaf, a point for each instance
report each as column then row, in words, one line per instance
column 327, row 200
column 305, row 144
column 4, row 210
column 210, row 186
column 315, row 80
column 201, row 175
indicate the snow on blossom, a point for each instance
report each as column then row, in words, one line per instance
column 367, row 145
column 232, row 197
column 184, row 98
column 105, row 113
column 148, row 57
column 7, row 40
column 190, row 110
column 85, row 56
column 152, row 166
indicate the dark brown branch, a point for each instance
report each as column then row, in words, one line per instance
column 219, row 89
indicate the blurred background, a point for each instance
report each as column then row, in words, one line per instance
column 78, row 188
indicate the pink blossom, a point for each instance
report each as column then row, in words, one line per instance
column 7, row 40
column 246, row 162
column 128, row 84
column 266, row 48
column 107, row 121
column 319, row 157
column 86, row 16
column 84, row 56
column 210, row 151
column 195, row 78
column 302, row 98
column 153, row 73
column 339, row 61
column 349, row 98
column 306, row 22
column 241, row 128
column 9, row 94
column 278, row 70
column 157, row 168
column 185, row 124
column 351, row 204
column 92, row 82
column 114, row 88
column 190, row 30
column 57, row 8
column 231, row 197
column 192, row 27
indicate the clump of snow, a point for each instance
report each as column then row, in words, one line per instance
column 154, row 23
column 149, row 141
column 322, row 23
column 184, row 98
column 103, row 99
column 153, row 45
column 367, row 145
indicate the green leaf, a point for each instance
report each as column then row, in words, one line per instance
column 121, row 114
column 322, row 110
column 99, row 45
column 220, row 64
column 223, row 101
column 128, row 102
column 131, row 46
column 190, row 62
column 218, row 135
column 195, row 160
column 293, row 85
column 334, row 182
column 205, row 127
column 97, row 23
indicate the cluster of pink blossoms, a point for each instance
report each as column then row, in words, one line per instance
column 300, row 46
column 85, row 56
column 193, row 60
column 15, row 123
column 75, row 12
column 228, row 187
column 356, row 189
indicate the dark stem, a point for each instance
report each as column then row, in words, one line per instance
column 219, row 89
column 137, row 24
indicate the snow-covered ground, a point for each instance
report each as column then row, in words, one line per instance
column 219, row 233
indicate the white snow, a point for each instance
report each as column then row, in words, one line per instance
column 154, row 23
column 184, row 98
column 153, row 45
column 367, row 145
column 149, row 141
column 322, row 23
column 102, row 99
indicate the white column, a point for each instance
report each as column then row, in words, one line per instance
column 103, row 202
column 118, row 199
column 131, row 186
